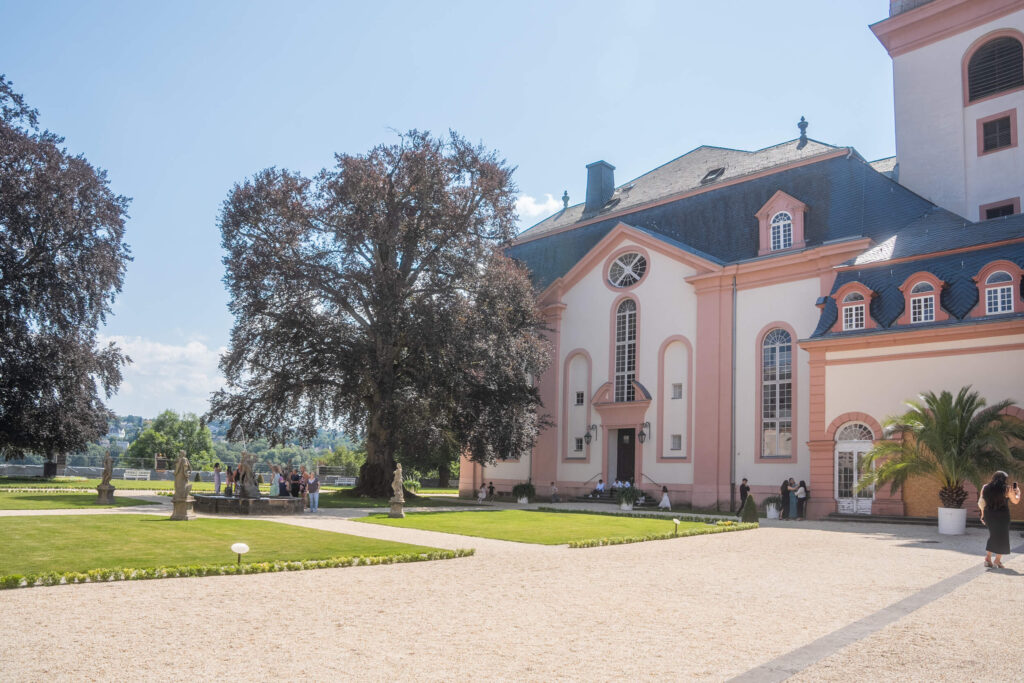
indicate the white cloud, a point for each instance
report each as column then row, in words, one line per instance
column 162, row 376
column 531, row 210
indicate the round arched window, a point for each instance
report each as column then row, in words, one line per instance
column 627, row 269
column 855, row 431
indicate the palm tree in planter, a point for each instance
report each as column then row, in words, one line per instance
column 951, row 440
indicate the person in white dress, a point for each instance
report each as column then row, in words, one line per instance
column 481, row 495
column 665, row 502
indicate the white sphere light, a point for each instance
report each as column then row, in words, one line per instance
column 240, row 548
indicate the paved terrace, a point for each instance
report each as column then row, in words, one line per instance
column 810, row 600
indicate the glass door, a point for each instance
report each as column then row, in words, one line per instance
column 849, row 458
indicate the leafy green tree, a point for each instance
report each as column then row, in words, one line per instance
column 62, row 262
column 170, row 433
column 951, row 440
column 349, row 457
column 376, row 296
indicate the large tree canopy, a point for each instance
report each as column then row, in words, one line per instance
column 62, row 262
column 375, row 296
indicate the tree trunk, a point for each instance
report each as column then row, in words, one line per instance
column 444, row 475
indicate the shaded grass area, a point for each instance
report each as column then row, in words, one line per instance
column 528, row 526
column 61, row 501
column 79, row 543
column 120, row 484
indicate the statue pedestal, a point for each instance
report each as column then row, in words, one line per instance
column 182, row 512
column 396, row 509
column 106, row 494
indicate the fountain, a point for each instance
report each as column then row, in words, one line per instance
column 247, row 499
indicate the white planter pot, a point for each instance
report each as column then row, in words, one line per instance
column 628, row 507
column 524, row 500
column 772, row 512
column 952, row 521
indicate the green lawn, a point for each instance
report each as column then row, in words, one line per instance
column 79, row 543
column 527, row 526
column 60, row 501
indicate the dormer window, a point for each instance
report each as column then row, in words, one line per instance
column 921, row 304
column 853, row 299
column 853, row 311
column 922, row 307
column 781, row 224
column 998, row 289
column 712, row 175
column 782, row 231
column 999, row 293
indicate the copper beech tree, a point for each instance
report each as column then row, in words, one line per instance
column 62, row 262
column 375, row 296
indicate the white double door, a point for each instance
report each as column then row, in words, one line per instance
column 849, row 456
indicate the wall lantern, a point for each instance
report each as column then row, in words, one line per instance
column 645, row 430
column 587, row 437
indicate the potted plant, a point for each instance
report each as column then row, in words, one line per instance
column 627, row 496
column 524, row 492
column 772, row 505
column 951, row 440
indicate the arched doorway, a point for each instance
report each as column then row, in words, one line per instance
column 853, row 441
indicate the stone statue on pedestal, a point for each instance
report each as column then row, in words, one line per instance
column 245, row 478
column 397, row 500
column 182, row 489
column 105, row 488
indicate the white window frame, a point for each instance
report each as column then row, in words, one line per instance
column 580, row 398
column 625, row 351
column 578, row 444
column 676, row 442
column 776, row 384
column 922, row 309
column 999, row 293
column 677, row 390
column 853, row 317
column 780, row 231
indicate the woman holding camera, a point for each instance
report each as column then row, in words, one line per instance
column 995, row 514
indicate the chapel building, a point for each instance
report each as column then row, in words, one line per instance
column 757, row 314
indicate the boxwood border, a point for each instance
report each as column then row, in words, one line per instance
column 716, row 525
column 106, row 575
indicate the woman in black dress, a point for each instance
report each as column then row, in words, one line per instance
column 995, row 514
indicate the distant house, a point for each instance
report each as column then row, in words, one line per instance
column 757, row 314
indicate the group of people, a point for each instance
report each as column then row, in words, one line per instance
column 485, row 492
column 794, row 499
column 287, row 482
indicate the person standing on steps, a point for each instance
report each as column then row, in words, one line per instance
column 995, row 514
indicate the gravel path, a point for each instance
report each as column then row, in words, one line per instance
column 707, row 607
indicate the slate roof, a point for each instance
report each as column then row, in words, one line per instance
column 685, row 173
column 959, row 293
column 941, row 229
column 845, row 197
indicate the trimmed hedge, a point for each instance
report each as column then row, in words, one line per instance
column 103, row 575
column 715, row 526
column 642, row 515
column 719, row 528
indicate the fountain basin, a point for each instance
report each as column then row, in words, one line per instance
column 228, row 505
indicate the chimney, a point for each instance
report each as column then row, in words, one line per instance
column 600, row 186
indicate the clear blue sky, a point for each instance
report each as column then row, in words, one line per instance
column 180, row 100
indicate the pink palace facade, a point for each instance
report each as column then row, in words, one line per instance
column 758, row 314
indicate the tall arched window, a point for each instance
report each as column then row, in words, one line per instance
column 777, row 394
column 625, row 351
column 999, row 293
column 996, row 66
column 782, row 231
